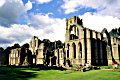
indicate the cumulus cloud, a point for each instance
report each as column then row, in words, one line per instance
column 17, row 33
column 52, row 28
column 43, row 1
column 48, row 28
column 11, row 11
column 28, row 5
column 44, row 26
column 2, row 2
column 103, row 7
column 98, row 22
column 105, row 16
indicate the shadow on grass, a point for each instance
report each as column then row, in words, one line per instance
column 11, row 73
column 23, row 72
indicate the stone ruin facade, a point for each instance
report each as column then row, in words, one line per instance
column 14, row 56
column 82, row 46
column 37, row 49
column 36, row 54
column 86, row 46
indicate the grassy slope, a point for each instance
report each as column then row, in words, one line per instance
column 27, row 74
column 69, row 75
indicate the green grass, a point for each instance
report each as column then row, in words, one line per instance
column 109, row 67
column 35, row 74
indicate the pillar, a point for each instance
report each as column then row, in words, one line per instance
column 88, row 45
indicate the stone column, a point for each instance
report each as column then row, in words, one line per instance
column 89, row 51
column 83, row 52
column 115, row 52
column 78, row 53
column 88, row 46
column 71, row 54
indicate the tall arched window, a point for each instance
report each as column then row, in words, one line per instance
column 68, row 50
column 119, row 51
column 74, row 50
column 74, row 32
column 80, row 49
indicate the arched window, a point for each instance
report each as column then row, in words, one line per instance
column 74, row 32
column 104, row 35
column 68, row 50
column 80, row 49
column 119, row 51
column 74, row 50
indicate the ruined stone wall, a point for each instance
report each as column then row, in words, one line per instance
column 14, row 56
column 115, row 43
column 40, row 54
column 90, row 46
column 37, row 49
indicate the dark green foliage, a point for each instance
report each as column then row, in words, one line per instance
column 1, row 49
column 115, row 32
column 26, row 45
column 59, row 44
column 7, row 52
column 16, row 46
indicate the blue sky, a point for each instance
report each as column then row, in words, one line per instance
column 54, row 6
column 22, row 19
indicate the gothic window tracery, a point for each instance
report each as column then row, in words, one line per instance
column 74, row 32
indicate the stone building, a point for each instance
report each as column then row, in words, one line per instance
column 83, row 45
column 36, row 54
column 41, row 51
column 14, row 56
column 37, row 48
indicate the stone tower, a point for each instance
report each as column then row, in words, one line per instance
column 37, row 47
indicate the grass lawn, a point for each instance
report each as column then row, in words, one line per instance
column 7, row 73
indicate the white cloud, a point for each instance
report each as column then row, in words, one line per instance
column 11, row 11
column 28, row 5
column 103, row 7
column 98, row 22
column 43, row 1
column 48, row 28
column 52, row 28
column 2, row 2
column 17, row 33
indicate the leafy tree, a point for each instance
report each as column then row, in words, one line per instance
column 115, row 32
column 59, row 44
column 7, row 52
column 1, row 49
column 16, row 45
column 26, row 45
column 46, row 42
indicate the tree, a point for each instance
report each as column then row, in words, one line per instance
column 26, row 45
column 1, row 49
column 115, row 32
column 7, row 52
column 16, row 45
column 59, row 44
column 46, row 42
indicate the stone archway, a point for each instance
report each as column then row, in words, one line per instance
column 80, row 53
column 119, row 52
column 74, row 50
column 68, row 50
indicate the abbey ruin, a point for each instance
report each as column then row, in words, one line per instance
column 82, row 45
